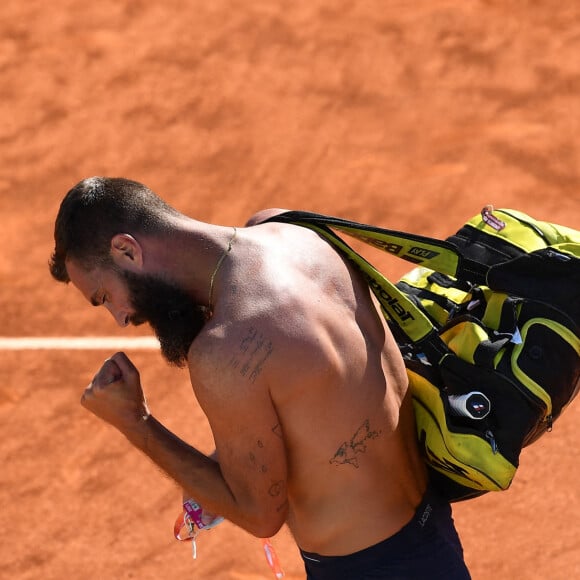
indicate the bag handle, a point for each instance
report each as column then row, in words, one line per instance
column 439, row 255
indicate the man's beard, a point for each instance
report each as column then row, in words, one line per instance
column 172, row 314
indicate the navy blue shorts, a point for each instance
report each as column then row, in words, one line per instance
column 427, row 548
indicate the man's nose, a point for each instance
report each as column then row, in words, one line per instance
column 121, row 317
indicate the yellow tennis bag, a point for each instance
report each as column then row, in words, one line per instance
column 489, row 326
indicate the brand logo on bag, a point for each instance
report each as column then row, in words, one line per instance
column 424, row 253
column 381, row 244
column 388, row 300
column 415, row 254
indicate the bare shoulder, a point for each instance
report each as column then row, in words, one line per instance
column 290, row 297
column 263, row 215
column 260, row 342
column 231, row 356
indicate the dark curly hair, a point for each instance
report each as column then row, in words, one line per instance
column 95, row 210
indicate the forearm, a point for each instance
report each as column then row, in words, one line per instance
column 197, row 474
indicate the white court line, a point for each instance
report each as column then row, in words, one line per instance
column 78, row 343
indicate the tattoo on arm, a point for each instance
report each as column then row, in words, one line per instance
column 348, row 451
column 254, row 463
column 253, row 455
column 258, row 462
column 276, row 488
column 282, row 506
column 254, row 350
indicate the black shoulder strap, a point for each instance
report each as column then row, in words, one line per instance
column 439, row 255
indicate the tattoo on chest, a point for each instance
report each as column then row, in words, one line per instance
column 348, row 451
column 253, row 352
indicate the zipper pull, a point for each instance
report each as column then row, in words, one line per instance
column 492, row 220
column 491, row 439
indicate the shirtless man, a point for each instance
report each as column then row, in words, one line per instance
column 301, row 380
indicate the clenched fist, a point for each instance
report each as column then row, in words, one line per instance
column 115, row 394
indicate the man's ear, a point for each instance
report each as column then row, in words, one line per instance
column 126, row 252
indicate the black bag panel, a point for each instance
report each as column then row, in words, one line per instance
column 544, row 275
column 479, row 246
column 451, row 490
column 550, row 361
column 509, row 428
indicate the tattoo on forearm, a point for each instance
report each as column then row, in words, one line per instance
column 347, row 452
column 254, row 351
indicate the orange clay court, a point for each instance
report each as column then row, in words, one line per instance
column 408, row 115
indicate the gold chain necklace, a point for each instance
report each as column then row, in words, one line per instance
column 215, row 272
